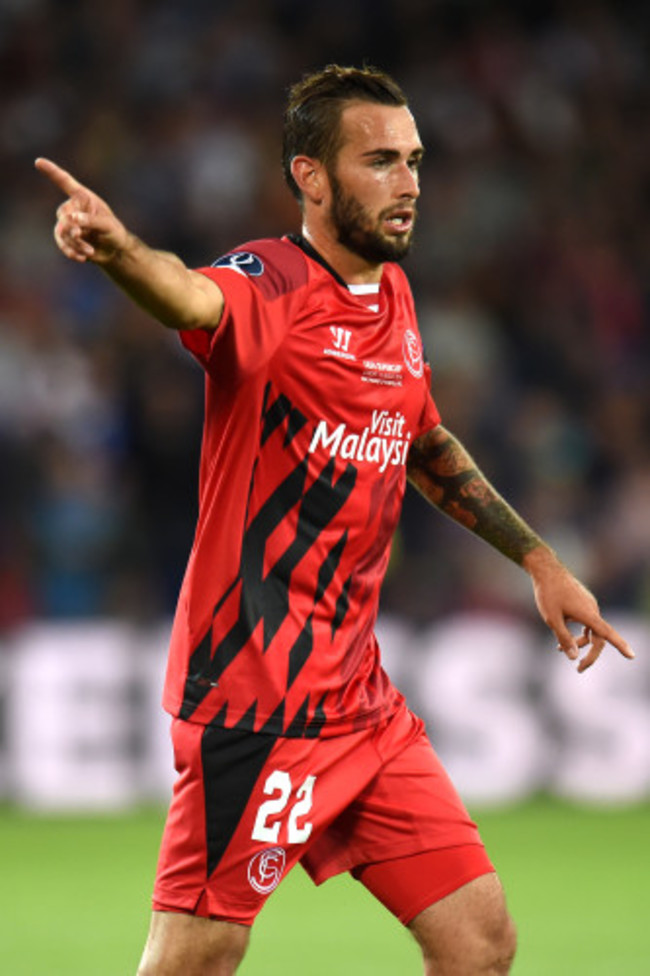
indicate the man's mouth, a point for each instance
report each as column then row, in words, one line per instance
column 400, row 221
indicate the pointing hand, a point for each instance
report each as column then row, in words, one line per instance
column 86, row 228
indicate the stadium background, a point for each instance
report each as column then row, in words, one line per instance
column 531, row 277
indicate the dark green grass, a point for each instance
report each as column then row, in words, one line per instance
column 74, row 899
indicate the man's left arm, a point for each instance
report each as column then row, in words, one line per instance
column 444, row 472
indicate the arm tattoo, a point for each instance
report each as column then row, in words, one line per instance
column 442, row 470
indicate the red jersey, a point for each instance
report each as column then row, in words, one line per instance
column 313, row 399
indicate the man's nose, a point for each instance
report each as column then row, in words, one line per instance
column 409, row 183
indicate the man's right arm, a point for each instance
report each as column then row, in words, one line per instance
column 88, row 230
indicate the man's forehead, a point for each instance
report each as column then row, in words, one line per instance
column 371, row 125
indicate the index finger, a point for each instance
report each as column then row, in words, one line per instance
column 602, row 629
column 59, row 176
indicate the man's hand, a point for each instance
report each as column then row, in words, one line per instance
column 86, row 227
column 88, row 230
column 561, row 598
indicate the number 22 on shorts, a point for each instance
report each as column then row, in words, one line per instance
column 297, row 833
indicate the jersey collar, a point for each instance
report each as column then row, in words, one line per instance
column 311, row 252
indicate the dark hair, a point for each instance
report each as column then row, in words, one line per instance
column 315, row 105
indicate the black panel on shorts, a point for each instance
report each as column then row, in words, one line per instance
column 232, row 762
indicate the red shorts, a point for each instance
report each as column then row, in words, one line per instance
column 247, row 807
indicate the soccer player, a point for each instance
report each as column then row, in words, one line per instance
column 291, row 744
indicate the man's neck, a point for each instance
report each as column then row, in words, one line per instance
column 352, row 268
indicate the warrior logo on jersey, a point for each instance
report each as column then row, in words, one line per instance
column 412, row 351
column 339, row 343
column 243, row 262
column 265, row 870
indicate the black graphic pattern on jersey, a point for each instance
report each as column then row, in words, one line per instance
column 329, row 567
column 342, row 605
column 275, row 415
column 275, row 721
column 318, row 719
column 247, row 721
column 301, row 728
column 299, row 653
column 298, row 725
column 266, row 598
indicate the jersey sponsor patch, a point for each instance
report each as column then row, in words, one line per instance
column 244, row 262
column 385, row 440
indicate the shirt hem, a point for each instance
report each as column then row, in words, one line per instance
column 310, row 729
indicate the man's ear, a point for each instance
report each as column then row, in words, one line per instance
column 310, row 178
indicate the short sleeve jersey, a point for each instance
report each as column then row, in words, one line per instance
column 312, row 402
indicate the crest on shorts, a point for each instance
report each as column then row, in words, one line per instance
column 265, row 870
column 412, row 352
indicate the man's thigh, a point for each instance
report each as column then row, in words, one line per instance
column 407, row 836
column 180, row 944
column 468, row 931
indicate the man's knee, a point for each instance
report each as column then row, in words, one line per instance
column 469, row 932
column 184, row 945
column 497, row 943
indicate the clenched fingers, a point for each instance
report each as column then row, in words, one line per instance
column 69, row 234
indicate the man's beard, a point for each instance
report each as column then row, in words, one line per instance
column 355, row 231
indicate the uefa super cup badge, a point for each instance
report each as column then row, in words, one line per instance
column 412, row 352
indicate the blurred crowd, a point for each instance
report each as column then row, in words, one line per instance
column 531, row 274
